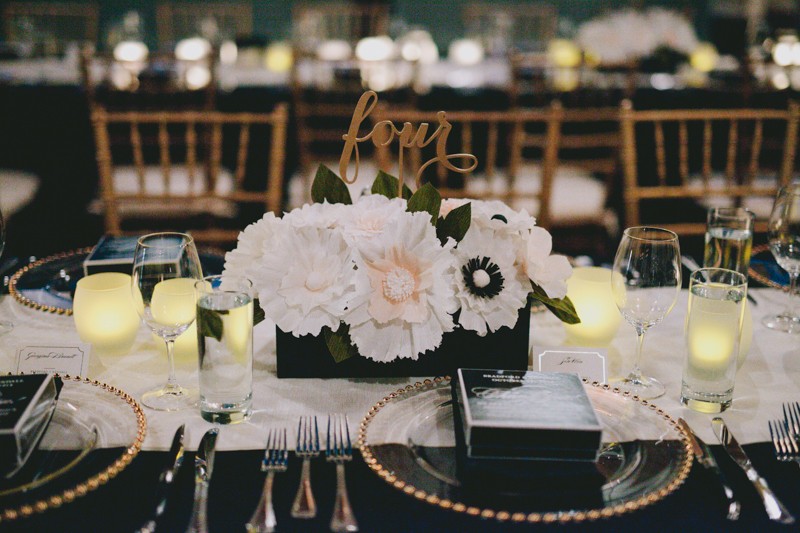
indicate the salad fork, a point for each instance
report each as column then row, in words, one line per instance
column 304, row 505
column 339, row 451
column 276, row 457
column 786, row 448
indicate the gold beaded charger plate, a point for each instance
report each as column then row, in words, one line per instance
column 407, row 439
column 765, row 270
column 95, row 432
column 48, row 284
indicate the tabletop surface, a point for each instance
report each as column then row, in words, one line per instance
column 769, row 376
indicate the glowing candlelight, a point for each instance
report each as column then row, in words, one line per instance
column 104, row 312
column 589, row 288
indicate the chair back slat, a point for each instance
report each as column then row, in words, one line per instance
column 241, row 159
column 683, row 141
column 191, row 151
column 163, row 149
column 138, row 156
column 707, row 139
column 661, row 158
column 733, row 141
column 755, row 152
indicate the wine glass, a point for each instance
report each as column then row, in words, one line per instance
column 5, row 325
column 645, row 282
column 165, row 268
column 784, row 241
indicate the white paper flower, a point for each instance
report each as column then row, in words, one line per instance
column 367, row 218
column 489, row 286
column 306, row 285
column 322, row 215
column 410, row 295
column 550, row 272
column 252, row 243
column 448, row 204
column 497, row 216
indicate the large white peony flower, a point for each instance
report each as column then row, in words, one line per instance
column 322, row 215
column 550, row 272
column 252, row 244
column 410, row 298
column 368, row 217
column 489, row 286
column 307, row 283
column 497, row 216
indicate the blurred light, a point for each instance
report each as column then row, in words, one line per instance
column 566, row 79
column 418, row 45
column 465, row 52
column 122, row 79
column 796, row 54
column 794, row 78
column 380, row 48
column 130, row 51
column 279, row 57
column 704, row 58
column 782, row 53
column 780, row 80
column 197, row 77
column 662, row 81
column 463, row 78
column 228, row 53
column 563, row 53
column 334, row 50
column 378, row 76
column 192, row 49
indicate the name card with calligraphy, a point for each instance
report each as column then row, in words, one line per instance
column 384, row 132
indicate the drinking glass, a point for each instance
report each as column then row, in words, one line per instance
column 645, row 281
column 165, row 269
column 784, row 241
column 225, row 347
column 5, row 325
column 717, row 298
column 729, row 238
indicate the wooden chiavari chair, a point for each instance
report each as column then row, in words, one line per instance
column 528, row 158
column 165, row 169
column 679, row 162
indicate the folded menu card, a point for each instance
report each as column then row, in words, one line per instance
column 526, row 415
column 27, row 403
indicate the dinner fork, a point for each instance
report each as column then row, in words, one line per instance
column 276, row 457
column 304, row 505
column 786, row 448
column 791, row 419
column 339, row 451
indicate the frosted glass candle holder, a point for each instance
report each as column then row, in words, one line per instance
column 104, row 312
column 589, row 288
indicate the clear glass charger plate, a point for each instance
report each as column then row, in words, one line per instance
column 49, row 283
column 407, row 439
column 95, row 432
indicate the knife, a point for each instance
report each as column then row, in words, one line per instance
column 165, row 480
column 775, row 509
column 704, row 456
column 203, row 467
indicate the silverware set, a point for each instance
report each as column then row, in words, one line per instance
column 338, row 450
column 785, row 434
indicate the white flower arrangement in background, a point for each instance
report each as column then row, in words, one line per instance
column 391, row 276
column 628, row 35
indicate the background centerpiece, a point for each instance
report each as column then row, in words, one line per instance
column 395, row 282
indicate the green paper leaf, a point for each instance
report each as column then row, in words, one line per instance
column 209, row 322
column 339, row 344
column 328, row 186
column 562, row 308
column 455, row 224
column 386, row 185
column 426, row 199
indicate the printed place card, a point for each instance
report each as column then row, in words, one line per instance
column 589, row 363
column 72, row 360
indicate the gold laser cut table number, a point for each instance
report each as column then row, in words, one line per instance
column 384, row 132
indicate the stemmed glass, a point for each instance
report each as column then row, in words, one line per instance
column 5, row 325
column 645, row 282
column 165, row 268
column 784, row 241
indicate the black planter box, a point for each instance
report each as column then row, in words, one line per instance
column 507, row 349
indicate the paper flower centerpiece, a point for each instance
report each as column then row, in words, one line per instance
column 389, row 275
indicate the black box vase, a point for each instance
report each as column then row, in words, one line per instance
column 507, row 349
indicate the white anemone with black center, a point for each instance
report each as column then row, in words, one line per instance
column 491, row 297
